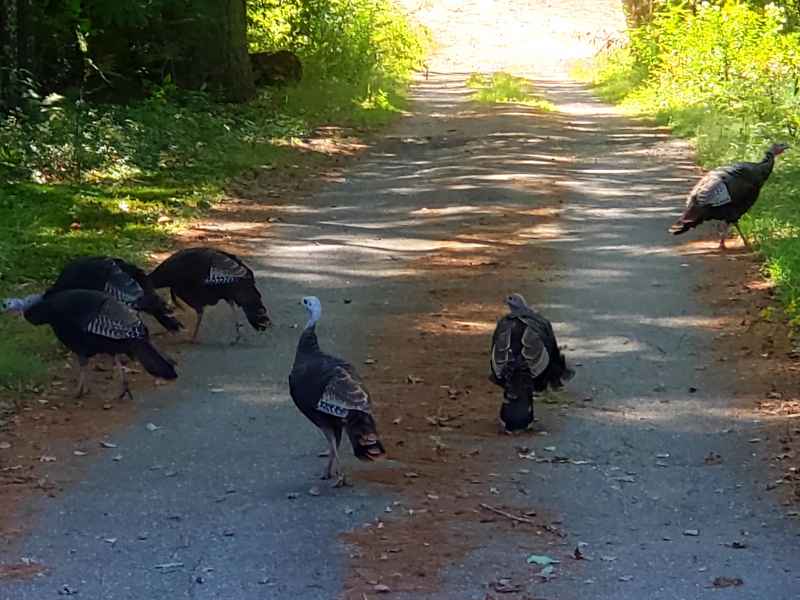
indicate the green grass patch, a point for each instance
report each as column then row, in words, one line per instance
column 724, row 77
column 503, row 88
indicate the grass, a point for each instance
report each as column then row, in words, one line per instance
column 503, row 88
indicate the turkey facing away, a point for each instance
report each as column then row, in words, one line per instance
column 90, row 322
column 726, row 194
column 119, row 279
column 203, row 276
column 525, row 359
column 330, row 393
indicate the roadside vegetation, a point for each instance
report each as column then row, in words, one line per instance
column 504, row 88
column 90, row 168
column 727, row 75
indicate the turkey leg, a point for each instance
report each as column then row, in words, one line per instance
column 741, row 235
column 123, row 376
column 238, row 333
column 83, row 387
column 197, row 325
column 723, row 234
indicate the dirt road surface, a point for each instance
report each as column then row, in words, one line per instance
column 650, row 464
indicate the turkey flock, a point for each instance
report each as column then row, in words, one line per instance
column 94, row 307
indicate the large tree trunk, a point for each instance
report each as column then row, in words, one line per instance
column 215, row 49
column 9, row 69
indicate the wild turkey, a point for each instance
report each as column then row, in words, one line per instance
column 90, row 322
column 525, row 359
column 330, row 393
column 120, row 280
column 726, row 194
column 203, row 276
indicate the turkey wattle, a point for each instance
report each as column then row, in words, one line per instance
column 727, row 193
column 525, row 359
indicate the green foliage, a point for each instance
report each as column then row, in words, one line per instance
column 367, row 46
column 729, row 77
column 504, row 88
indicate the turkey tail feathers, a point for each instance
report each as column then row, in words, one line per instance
column 153, row 361
column 363, row 436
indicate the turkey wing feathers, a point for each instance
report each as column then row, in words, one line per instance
column 115, row 321
column 225, row 269
column 343, row 393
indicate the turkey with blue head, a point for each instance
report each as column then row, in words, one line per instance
column 330, row 393
column 202, row 277
column 89, row 322
column 726, row 194
column 119, row 279
column 525, row 360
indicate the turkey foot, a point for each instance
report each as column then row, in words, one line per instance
column 341, row 481
column 125, row 390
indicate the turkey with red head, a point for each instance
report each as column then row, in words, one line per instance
column 726, row 194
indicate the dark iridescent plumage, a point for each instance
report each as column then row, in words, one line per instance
column 203, row 276
column 119, row 279
column 330, row 393
column 726, row 194
column 90, row 322
column 525, row 359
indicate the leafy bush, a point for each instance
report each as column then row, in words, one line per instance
column 729, row 77
column 368, row 45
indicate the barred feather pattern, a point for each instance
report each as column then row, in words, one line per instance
column 343, row 393
column 107, row 327
column 128, row 296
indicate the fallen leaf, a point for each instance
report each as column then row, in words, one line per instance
column 550, row 448
column 691, row 532
column 168, row 566
column 47, row 458
column 542, row 560
column 412, row 379
column 724, row 582
column 79, row 453
column 608, row 557
column 381, row 588
column 107, row 445
column 5, row 445
column 314, row 491
column 625, row 577
column 506, row 586
column 216, row 390
column 152, row 427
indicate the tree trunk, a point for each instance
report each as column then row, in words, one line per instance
column 9, row 70
column 639, row 12
column 215, row 47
